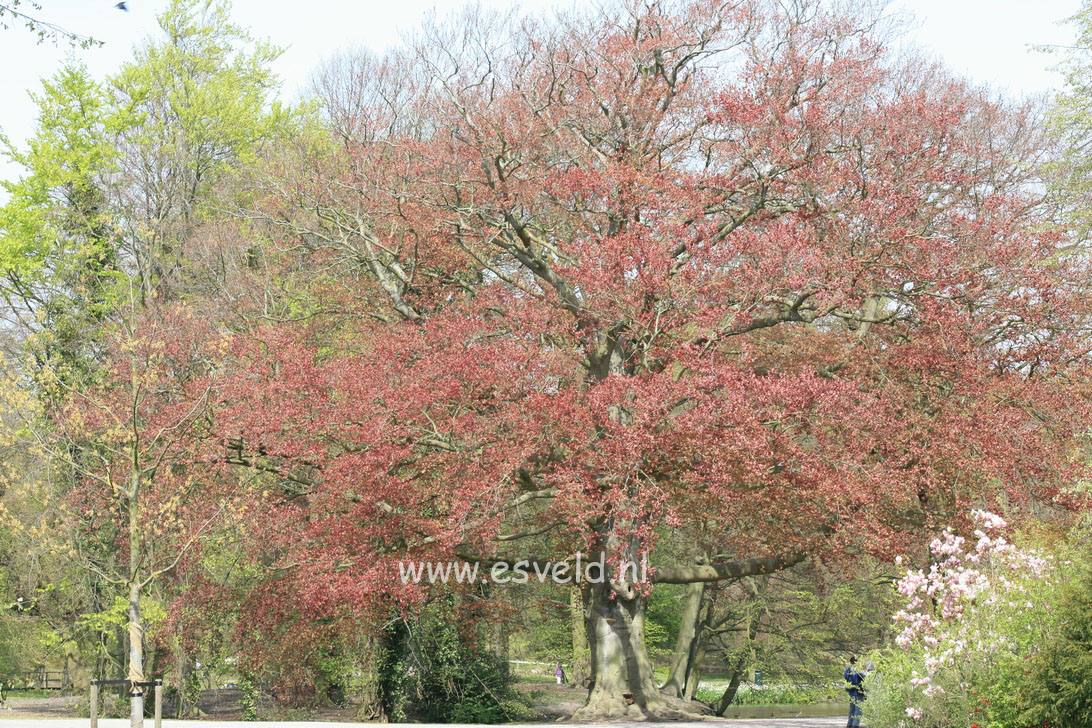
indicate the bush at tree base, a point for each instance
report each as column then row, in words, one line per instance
column 431, row 670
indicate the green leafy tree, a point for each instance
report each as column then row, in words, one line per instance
column 1070, row 120
column 118, row 180
column 58, row 269
column 202, row 98
column 58, row 239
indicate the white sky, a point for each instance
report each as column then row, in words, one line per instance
column 986, row 40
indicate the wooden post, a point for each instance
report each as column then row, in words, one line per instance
column 94, row 706
column 159, row 705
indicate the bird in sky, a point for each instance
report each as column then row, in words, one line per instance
column 121, row 6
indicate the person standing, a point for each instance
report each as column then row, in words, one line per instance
column 855, row 688
column 559, row 674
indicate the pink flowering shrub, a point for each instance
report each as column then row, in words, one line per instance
column 965, row 636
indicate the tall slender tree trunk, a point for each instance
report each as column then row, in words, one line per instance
column 136, row 657
column 729, row 693
column 741, row 658
column 136, row 625
column 694, row 674
column 683, row 671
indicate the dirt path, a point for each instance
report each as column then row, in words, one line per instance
column 58, row 707
column 553, row 701
column 123, row 723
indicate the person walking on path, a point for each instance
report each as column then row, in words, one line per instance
column 855, row 688
column 559, row 674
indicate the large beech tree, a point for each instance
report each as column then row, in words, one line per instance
column 729, row 269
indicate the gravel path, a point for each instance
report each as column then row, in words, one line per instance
column 55, row 707
column 55, row 712
column 121, row 723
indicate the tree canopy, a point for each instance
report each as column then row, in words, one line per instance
column 729, row 287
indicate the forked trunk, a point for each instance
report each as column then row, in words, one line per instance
column 622, row 687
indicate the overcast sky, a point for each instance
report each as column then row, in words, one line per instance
column 987, row 40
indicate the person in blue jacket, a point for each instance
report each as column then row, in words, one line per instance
column 855, row 688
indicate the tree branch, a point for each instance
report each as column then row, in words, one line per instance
column 725, row 570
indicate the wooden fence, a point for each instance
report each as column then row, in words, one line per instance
column 38, row 679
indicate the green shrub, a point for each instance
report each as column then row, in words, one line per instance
column 772, row 694
column 248, row 700
column 458, row 682
column 1056, row 688
column 438, row 673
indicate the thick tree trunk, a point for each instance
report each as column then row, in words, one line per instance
column 371, row 693
column 621, row 672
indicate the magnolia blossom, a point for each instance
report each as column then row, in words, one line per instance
column 951, row 607
column 989, row 520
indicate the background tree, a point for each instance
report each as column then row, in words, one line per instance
column 60, row 269
column 1070, row 119
column 201, row 99
column 1057, row 687
column 130, row 443
column 60, row 257
column 117, row 178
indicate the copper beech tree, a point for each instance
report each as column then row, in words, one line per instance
column 729, row 270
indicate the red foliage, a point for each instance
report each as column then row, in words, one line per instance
column 793, row 294
column 138, row 439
